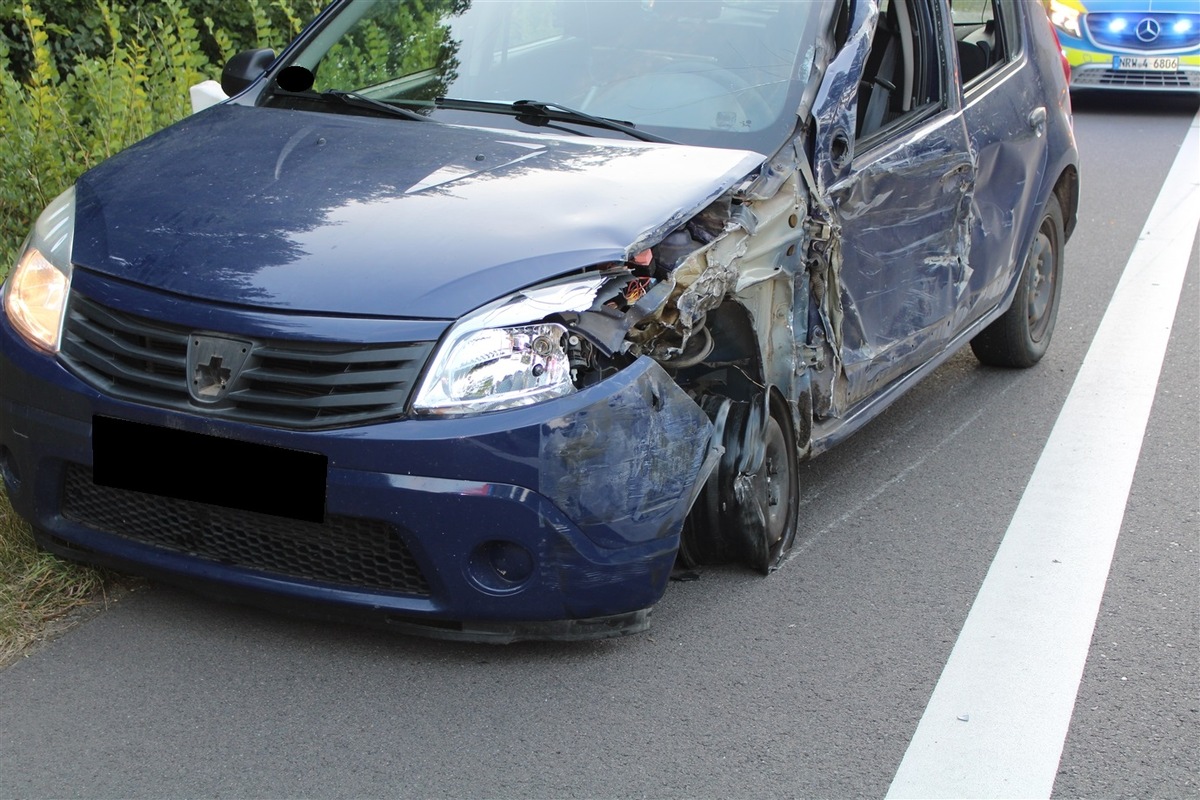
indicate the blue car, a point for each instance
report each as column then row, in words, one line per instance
column 476, row 319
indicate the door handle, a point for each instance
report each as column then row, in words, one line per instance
column 1037, row 120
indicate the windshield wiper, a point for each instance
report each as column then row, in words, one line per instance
column 537, row 112
column 362, row 101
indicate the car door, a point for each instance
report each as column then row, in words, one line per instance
column 899, row 194
column 1005, row 113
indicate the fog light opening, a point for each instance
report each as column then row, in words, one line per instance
column 500, row 566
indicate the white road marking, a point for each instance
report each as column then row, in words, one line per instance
column 998, row 718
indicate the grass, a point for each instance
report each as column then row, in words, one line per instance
column 37, row 590
column 77, row 85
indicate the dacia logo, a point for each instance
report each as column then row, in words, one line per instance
column 214, row 364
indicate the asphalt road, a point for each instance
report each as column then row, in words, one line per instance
column 808, row 683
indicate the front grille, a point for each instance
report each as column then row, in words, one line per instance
column 285, row 384
column 1165, row 32
column 1102, row 77
column 344, row 551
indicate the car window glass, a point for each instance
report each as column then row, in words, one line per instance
column 719, row 72
column 902, row 80
column 388, row 41
column 415, row 48
column 987, row 34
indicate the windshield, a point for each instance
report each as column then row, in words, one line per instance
column 715, row 72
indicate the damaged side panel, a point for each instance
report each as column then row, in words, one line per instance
column 806, row 293
column 753, row 262
column 724, row 290
column 905, row 244
column 892, row 277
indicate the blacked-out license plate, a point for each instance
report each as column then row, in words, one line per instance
column 208, row 469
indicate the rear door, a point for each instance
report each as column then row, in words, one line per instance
column 1005, row 110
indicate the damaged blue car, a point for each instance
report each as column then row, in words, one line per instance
column 475, row 317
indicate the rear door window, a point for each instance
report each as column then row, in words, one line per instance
column 987, row 35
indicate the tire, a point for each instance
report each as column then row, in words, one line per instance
column 1021, row 336
column 779, row 493
column 749, row 509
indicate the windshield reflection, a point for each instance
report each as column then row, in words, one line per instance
column 717, row 72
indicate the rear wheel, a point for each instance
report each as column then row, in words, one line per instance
column 1020, row 337
column 748, row 510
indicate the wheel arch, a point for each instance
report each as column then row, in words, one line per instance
column 1066, row 188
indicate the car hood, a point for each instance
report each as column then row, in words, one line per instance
column 330, row 213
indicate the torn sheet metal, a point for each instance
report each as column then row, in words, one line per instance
column 836, row 105
column 760, row 242
column 631, row 463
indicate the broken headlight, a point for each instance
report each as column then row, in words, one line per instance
column 505, row 355
column 36, row 293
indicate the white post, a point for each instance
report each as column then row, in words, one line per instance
column 206, row 94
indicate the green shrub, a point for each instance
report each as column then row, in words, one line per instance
column 80, row 81
column 79, row 28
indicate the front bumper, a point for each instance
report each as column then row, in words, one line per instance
column 556, row 521
column 1094, row 67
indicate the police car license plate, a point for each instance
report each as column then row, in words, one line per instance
column 1148, row 63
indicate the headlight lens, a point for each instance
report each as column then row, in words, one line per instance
column 503, row 356
column 1065, row 18
column 36, row 294
column 500, row 368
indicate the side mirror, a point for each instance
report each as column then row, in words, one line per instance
column 245, row 68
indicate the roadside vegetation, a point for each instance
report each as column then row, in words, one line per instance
column 79, row 81
column 37, row 589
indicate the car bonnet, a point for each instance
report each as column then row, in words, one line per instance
column 373, row 216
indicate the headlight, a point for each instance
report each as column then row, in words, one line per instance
column 1065, row 18
column 503, row 355
column 36, row 294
